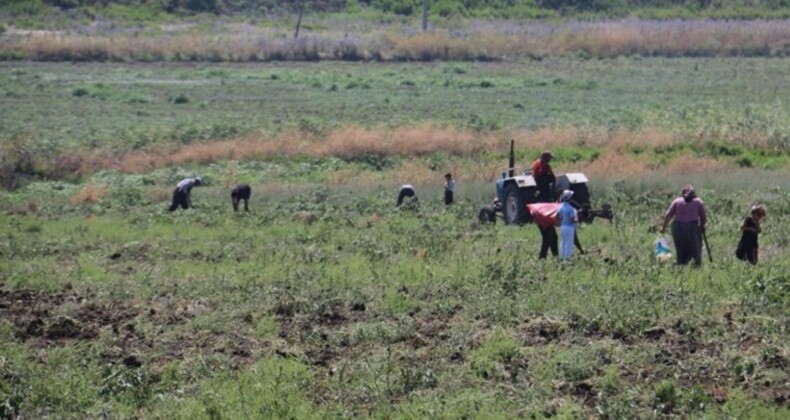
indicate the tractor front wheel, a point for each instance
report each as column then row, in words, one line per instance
column 515, row 206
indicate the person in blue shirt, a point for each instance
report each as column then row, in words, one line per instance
column 567, row 220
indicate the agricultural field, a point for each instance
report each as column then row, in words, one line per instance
column 327, row 301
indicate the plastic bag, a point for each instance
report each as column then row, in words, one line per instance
column 661, row 249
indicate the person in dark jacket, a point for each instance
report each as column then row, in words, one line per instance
column 182, row 193
column 751, row 229
column 449, row 188
column 240, row 192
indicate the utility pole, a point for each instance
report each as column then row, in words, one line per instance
column 424, row 15
column 299, row 21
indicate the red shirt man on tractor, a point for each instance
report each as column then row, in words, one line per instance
column 544, row 177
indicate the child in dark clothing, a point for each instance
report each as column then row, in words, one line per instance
column 449, row 188
column 747, row 247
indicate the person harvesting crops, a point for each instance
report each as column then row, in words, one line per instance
column 688, row 212
column 240, row 192
column 406, row 190
column 182, row 193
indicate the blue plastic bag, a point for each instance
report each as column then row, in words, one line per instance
column 661, row 249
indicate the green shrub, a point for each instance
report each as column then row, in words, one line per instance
column 179, row 99
column 666, row 396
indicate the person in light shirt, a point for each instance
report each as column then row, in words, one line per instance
column 182, row 193
column 567, row 218
column 688, row 212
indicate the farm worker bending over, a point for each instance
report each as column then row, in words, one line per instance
column 544, row 177
column 240, row 192
column 181, row 195
column 747, row 247
column 567, row 219
column 689, row 214
column 449, row 188
column 406, row 190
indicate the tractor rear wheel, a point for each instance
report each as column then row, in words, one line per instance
column 515, row 206
column 581, row 194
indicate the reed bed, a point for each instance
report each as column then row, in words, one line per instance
column 466, row 41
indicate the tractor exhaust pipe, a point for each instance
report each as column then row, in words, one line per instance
column 511, row 171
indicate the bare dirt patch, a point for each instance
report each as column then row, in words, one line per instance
column 47, row 319
column 37, row 318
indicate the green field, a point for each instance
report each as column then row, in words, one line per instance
column 131, row 106
column 64, row 121
column 327, row 301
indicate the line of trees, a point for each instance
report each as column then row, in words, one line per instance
column 445, row 8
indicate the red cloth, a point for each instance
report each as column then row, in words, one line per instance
column 540, row 168
column 544, row 214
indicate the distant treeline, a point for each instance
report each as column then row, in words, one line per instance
column 443, row 8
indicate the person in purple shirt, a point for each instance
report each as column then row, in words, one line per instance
column 688, row 212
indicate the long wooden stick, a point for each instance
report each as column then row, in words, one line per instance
column 705, row 239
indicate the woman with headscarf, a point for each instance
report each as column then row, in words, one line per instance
column 687, row 228
column 567, row 218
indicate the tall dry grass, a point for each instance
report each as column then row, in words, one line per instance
column 90, row 193
column 471, row 40
column 353, row 142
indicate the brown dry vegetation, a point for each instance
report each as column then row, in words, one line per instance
column 90, row 193
column 614, row 152
column 413, row 141
column 476, row 42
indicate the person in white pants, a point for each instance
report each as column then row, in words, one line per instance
column 567, row 219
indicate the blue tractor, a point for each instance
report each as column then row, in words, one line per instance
column 514, row 192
